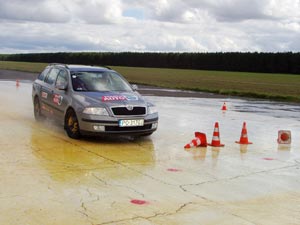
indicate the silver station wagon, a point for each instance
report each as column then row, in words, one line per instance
column 90, row 100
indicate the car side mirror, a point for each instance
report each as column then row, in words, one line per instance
column 134, row 87
column 62, row 86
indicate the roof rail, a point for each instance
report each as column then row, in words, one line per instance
column 58, row 64
column 103, row 66
column 107, row 67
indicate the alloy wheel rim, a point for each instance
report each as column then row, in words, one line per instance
column 73, row 124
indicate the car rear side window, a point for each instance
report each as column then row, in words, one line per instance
column 44, row 74
column 50, row 79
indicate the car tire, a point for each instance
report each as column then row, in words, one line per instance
column 37, row 110
column 72, row 125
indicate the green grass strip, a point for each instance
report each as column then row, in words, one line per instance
column 281, row 87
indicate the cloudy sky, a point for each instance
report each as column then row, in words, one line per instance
column 149, row 25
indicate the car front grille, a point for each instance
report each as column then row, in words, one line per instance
column 123, row 111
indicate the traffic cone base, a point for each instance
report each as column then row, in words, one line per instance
column 216, row 142
column 216, row 145
column 244, row 143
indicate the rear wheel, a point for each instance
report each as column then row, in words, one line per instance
column 72, row 125
column 37, row 110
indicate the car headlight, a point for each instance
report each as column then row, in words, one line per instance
column 96, row 111
column 152, row 109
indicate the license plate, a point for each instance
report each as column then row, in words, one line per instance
column 131, row 123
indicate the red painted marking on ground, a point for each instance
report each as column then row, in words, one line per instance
column 268, row 158
column 138, row 202
column 173, row 170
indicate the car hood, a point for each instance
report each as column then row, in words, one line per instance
column 109, row 98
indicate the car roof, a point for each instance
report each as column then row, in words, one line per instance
column 78, row 68
column 86, row 68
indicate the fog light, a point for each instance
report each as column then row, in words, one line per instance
column 154, row 125
column 99, row 128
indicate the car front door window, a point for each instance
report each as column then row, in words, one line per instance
column 62, row 80
column 50, row 79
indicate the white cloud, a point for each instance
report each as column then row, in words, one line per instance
column 96, row 11
column 142, row 25
column 33, row 10
column 237, row 10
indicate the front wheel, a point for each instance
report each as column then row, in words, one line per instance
column 72, row 125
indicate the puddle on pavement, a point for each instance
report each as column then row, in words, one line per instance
column 63, row 157
column 275, row 109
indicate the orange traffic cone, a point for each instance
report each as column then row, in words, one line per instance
column 216, row 137
column 200, row 141
column 17, row 83
column 194, row 143
column 202, row 137
column 244, row 136
column 224, row 107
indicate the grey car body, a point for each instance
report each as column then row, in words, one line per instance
column 74, row 95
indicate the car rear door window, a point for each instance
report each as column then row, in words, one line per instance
column 50, row 79
column 44, row 73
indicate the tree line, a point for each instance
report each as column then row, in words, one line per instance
column 287, row 62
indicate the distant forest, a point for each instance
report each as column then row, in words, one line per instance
column 287, row 62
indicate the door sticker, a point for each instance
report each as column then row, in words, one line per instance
column 44, row 95
column 57, row 99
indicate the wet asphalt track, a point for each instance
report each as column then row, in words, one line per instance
column 47, row 178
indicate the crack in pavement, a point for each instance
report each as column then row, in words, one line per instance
column 182, row 187
column 84, row 212
column 236, row 177
column 118, row 185
column 92, row 194
column 127, row 167
column 87, row 216
column 237, row 216
column 181, row 207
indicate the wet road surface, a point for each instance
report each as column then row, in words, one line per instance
column 48, row 178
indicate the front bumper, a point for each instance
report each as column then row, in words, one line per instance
column 90, row 124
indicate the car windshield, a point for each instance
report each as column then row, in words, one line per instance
column 99, row 81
